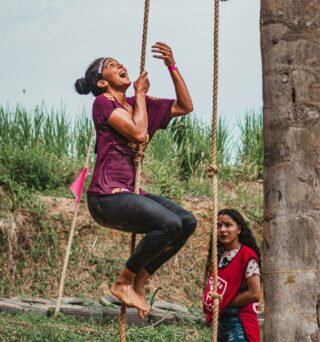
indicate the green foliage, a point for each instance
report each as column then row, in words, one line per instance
column 39, row 149
column 193, row 145
column 44, row 151
column 250, row 152
column 16, row 327
column 14, row 196
column 35, row 168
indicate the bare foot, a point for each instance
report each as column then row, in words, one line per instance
column 141, row 294
column 139, row 286
column 127, row 295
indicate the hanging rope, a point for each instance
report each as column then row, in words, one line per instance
column 213, row 174
column 137, row 162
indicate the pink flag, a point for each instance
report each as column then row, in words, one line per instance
column 77, row 186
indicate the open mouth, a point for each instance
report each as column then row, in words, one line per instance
column 123, row 74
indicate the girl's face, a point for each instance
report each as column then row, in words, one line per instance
column 228, row 232
column 115, row 74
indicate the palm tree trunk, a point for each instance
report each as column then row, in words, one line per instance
column 290, row 45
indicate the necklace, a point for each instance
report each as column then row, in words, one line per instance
column 125, row 106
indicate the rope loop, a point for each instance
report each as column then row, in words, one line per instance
column 213, row 170
column 215, row 295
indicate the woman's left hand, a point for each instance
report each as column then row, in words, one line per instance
column 163, row 51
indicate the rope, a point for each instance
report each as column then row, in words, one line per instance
column 213, row 174
column 137, row 161
column 144, row 35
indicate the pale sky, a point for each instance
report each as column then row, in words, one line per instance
column 47, row 44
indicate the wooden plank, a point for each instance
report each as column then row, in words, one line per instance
column 33, row 300
column 109, row 300
column 73, row 300
column 100, row 313
column 10, row 307
column 38, row 309
column 170, row 307
column 82, row 313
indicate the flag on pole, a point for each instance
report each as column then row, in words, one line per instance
column 77, row 186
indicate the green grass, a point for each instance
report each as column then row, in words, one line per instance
column 250, row 151
column 43, row 151
column 16, row 327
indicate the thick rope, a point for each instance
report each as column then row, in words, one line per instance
column 213, row 173
column 144, row 35
column 137, row 161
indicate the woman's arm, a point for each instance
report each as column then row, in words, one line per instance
column 133, row 127
column 183, row 104
column 251, row 295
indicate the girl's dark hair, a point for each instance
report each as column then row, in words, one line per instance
column 245, row 237
column 88, row 84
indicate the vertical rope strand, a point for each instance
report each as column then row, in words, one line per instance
column 137, row 161
column 122, row 323
column 214, row 173
column 144, row 35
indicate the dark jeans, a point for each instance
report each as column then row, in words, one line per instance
column 166, row 225
column 230, row 326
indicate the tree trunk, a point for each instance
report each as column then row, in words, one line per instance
column 290, row 44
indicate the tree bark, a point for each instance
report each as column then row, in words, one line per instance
column 290, row 45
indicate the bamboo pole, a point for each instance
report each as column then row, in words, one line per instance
column 71, row 234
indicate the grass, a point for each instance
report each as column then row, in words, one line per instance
column 250, row 152
column 43, row 151
column 40, row 154
column 36, row 328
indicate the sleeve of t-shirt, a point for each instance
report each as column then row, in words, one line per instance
column 252, row 268
column 101, row 111
column 159, row 113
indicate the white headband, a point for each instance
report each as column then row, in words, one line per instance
column 101, row 65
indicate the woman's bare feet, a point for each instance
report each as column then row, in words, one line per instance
column 123, row 289
column 142, row 296
column 128, row 295
column 139, row 285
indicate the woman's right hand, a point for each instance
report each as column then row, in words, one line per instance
column 142, row 84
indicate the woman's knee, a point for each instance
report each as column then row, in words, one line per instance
column 173, row 226
column 189, row 223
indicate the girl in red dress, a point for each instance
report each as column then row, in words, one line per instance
column 238, row 280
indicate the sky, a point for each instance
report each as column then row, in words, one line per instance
column 47, row 44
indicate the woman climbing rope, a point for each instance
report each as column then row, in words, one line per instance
column 238, row 280
column 121, row 123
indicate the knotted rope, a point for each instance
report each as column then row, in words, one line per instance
column 213, row 174
column 137, row 161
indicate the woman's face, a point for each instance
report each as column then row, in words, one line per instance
column 228, row 231
column 115, row 74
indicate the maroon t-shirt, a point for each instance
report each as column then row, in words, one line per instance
column 114, row 169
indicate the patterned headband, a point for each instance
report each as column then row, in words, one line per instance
column 99, row 72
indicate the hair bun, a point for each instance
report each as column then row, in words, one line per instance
column 82, row 86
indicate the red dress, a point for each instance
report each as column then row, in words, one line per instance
column 229, row 282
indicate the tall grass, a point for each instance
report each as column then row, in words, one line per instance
column 193, row 145
column 250, row 151
column 41, row 149
column 48, row 130
column 44, row 149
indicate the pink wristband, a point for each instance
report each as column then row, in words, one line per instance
column 172, row 67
